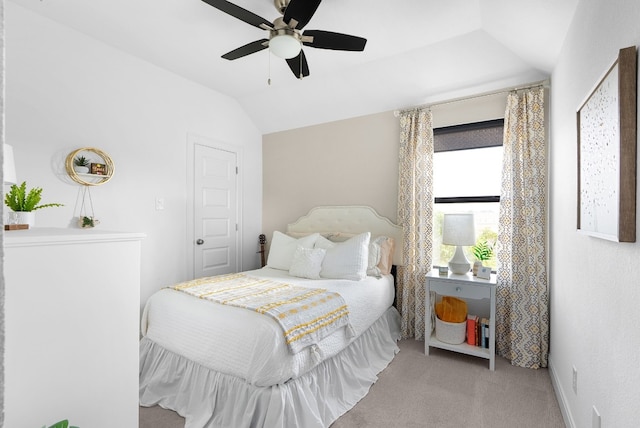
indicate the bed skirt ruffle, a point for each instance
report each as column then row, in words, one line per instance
column 208, row 399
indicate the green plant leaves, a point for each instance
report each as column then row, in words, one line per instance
column 18, row 199
column 33, row 197
column 61, row 424
column 81, row 161
column 15, row 198
column 482, row 251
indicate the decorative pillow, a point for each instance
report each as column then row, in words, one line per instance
column 380, row 256
column 307, row 262
column 283, row 247
column 331, row 236
column 387, row 248
column 345, row 260
column 339, row 236
column 299, row 235
column 375, row 254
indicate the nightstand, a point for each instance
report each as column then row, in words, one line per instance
column 464, row 287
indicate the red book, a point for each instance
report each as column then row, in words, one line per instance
column 471, row 329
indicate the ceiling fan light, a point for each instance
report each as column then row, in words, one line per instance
column 285, row 46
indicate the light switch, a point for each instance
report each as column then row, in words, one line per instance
column 159, row 203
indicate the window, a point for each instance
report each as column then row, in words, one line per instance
column 467, row 165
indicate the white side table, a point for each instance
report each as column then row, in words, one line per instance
column 464, row 287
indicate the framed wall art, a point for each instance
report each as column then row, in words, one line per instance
column 607, row 153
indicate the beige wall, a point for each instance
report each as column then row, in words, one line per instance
column 348, row 162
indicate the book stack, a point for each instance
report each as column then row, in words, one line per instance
column 477, row 331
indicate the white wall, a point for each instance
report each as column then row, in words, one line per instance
column 595, row 284
column 65, row 90
column 2, row 287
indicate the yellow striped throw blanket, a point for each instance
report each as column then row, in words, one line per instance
column 306, row 315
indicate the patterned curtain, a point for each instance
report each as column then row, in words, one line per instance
column 522, row 319
column 415, row 213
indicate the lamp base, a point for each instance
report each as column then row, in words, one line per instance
column 459, row 268
column 459, row 263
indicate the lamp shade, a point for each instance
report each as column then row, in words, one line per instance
column 8, row 166
column 458, row 229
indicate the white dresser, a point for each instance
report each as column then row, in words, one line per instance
column 72, row 303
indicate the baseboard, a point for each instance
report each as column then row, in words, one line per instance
column 561, row 396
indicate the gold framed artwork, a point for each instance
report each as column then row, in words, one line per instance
column 607, row 131
column 98, row 169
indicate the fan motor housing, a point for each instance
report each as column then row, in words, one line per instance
column 281, row 5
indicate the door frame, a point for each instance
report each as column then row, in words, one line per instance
column 192, row 140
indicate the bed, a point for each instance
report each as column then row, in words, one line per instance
column 220, row 362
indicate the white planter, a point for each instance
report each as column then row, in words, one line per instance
column 81, row 169
column 23, row 217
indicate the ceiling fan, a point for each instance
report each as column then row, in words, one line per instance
column 285, row 36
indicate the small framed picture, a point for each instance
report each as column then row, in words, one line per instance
column 443, row 271
column 98, row 169
column 484, row 272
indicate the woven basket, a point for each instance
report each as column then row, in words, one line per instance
column 450, row 332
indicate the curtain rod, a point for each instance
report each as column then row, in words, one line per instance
column 544, row 83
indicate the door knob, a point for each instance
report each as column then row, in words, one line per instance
column 199, row 242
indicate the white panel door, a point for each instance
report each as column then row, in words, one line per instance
column 215, row 211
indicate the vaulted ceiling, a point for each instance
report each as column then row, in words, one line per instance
column 417, row 52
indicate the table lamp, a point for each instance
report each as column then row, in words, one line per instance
column 8, row 166
column 458, row 229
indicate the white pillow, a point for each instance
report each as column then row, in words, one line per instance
column 324, row 243
column 307, row 262
column 345, row 260
column 283, row 247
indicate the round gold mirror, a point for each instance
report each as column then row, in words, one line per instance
column 89, row 166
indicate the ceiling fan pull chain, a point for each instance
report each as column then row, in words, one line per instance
column 269, row 69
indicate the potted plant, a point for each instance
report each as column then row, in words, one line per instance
column 482, row 251
column 88, row 222
column 81, row 164
column 23, row 203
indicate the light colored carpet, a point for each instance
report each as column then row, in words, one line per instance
column 442, row 390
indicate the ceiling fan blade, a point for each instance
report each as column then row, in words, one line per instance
column 301, row 11
column 335, row 41
column 240, row 13
column 247, row 49
column 299, row 66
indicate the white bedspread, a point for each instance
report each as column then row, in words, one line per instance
column 248, row 345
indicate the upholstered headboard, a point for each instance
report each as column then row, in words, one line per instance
column 350, row 220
